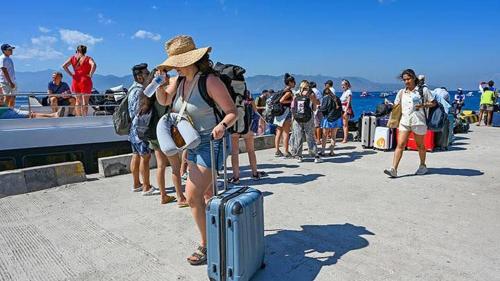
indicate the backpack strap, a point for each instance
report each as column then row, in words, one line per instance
column 202, row 87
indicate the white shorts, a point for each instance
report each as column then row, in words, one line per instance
column 420, row 130
column 7, row 90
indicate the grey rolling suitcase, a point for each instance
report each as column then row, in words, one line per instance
column 235, row 230
column 368, row 125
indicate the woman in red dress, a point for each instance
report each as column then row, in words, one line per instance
column 84, row 67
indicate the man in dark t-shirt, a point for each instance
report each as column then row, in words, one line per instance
column 59, row 94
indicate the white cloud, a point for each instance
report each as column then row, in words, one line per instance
column 75, row 37
column 37, row 52
column 43, row 40
column 143, row 34
column 104, row 20
column 43, row 29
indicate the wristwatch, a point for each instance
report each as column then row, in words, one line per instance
column 224, row 124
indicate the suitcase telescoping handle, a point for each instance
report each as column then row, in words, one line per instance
column 214, row 164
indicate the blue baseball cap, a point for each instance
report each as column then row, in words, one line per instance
column 6, row 47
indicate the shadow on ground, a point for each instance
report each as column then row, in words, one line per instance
column 347, row 157
column 300, row 254
column 456, row 172
column 294, row 179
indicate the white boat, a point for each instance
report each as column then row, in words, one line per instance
column 40, row 141
column 469, row 94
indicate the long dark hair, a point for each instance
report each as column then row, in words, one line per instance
column 410, row 72
column 205, row 65
column 288, row 79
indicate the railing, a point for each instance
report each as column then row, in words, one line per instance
column 96, row 102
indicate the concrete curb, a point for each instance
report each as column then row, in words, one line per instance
column 120, row 164
column 41, row 177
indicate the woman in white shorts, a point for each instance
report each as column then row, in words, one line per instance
column 413, row 119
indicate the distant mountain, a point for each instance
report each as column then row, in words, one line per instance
column 37, row 81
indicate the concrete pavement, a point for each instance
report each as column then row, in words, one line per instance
column 339, row 220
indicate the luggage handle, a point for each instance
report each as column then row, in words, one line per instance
column 212, row 159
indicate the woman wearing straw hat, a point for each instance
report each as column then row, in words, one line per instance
column 191, row 63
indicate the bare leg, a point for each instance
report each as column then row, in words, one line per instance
column 419, row 139
column 398, row 154
column 72, row 104
column 250, row 146
column 134, row 169
column 277, row 138
column 78, row 105
column 144, row 170
column 85, row 104
column 481, row 112
column 175, row 164
column 53, row 103
column 490, row 115
column 161, row 161
column 184, row 165
column 286, row 135
column 333, row 134
column 235, row 154
column 345, row 119
column 323, row 140
column 196, row 191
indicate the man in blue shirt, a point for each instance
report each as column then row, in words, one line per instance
column 59, row 94
column 459, row 100
column 7, row 76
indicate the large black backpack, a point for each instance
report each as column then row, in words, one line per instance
column 275, row 106
column 302, row 108
column 232, row 76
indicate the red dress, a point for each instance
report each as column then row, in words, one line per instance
column 82, row 83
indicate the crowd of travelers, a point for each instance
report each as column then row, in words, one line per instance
column 198, row 94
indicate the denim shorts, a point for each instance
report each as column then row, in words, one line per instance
column 15, row 113
column 141, row 148
column 201, row 154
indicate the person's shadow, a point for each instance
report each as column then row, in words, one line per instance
column 300, row 254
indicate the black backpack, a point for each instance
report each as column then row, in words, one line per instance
column 275, row 106
column 232, row 76
column 436, row 116
column 302, row 108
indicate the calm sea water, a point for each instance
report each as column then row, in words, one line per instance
column 360, row 104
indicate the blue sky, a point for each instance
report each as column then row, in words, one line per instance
column 454, row 42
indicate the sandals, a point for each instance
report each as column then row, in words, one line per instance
column 234, row 180
column 259, row 175
column 167, row 199
column 199, row 257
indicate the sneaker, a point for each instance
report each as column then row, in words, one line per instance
column 152, row 191
column 318, row 160
column 391, row 173
column 259, row 175
column 422, row 170
column 136, row 189
column 278, row 154
column 300, row 159
column 288, row 155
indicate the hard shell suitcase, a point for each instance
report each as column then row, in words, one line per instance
column 495, row 119
column 235, row 231
column 368, row 125
column 428, row 141
column 384, row 138
column 382, row 121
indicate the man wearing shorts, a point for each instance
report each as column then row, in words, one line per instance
column 140, row 148
column 488, row 98
column 7, row 76
column 59, row 94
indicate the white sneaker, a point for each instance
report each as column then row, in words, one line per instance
column 422, row 170
column 318, row 160
column 152, row 191
column 136, row 189
column 391, row 173
column 300, row 159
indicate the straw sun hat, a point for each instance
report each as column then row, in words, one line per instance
column 182, row 52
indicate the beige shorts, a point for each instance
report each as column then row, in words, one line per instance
column 6, row 89
column 416, row 129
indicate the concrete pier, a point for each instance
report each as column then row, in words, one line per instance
column 339, row 220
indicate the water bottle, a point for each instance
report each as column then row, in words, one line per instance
column 151, row 88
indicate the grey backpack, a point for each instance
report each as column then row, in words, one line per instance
column 121, row 118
